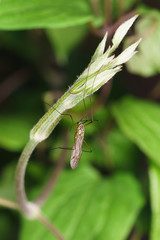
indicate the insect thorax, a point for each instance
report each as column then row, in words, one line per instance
column 80, row 129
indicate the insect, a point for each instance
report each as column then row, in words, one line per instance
column 78, row 143
column 77, row 148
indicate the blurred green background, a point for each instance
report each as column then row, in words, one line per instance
column 114, row 194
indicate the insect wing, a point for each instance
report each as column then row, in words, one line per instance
column 77, row 150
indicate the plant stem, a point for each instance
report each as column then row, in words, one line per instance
column 8, row 204
column 20, row 174
column 47, row 223
column 54, row 176
column 13, row 205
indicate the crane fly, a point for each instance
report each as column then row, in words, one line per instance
column 78, row 143
column 78, row 140
column 77, row 147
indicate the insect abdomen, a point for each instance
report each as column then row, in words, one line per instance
column 77, row 148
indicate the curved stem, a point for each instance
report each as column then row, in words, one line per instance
column 20, row 174
column 54, row 176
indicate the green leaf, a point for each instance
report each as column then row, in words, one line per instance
column 140, row 121
column 15, row 15
column 121, row 153
column 71, row 35
column 86, row 206
column 14, row 131
column 154, row 174
column 7, row 183
column 147, row 61
column 7, row 228
column 112, row 151
column 21, row 44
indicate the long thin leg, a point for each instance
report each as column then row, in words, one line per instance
column 72, row 148
column 84, row 92
column 90, row 123
column 91, row 107
column 85, row 115
column 61, row 148
column 66, row 114
column 87, row 122
column 84, row 121
column 87, row 146
column 85, row 108
column 84, row 140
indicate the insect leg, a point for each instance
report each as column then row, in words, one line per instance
column 66, row 114
column 91, row 122
column 87, row 146
column 62, row 148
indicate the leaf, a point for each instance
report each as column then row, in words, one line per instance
column 7, row 183
column 121, row 153
column 112, row 151
column 154, row 174
column 147, row 61
column 14, row 132
column 72, row 36
column 16, row 15
column 7, row 229
column 86, row 206
column 20, row 43
column 139, row 120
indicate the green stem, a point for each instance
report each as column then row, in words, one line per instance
column 20, row 175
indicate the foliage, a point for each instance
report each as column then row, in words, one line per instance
column 44, row 45
column 84, row 204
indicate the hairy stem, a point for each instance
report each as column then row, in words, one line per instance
column 20, row 175
column 54, row 176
